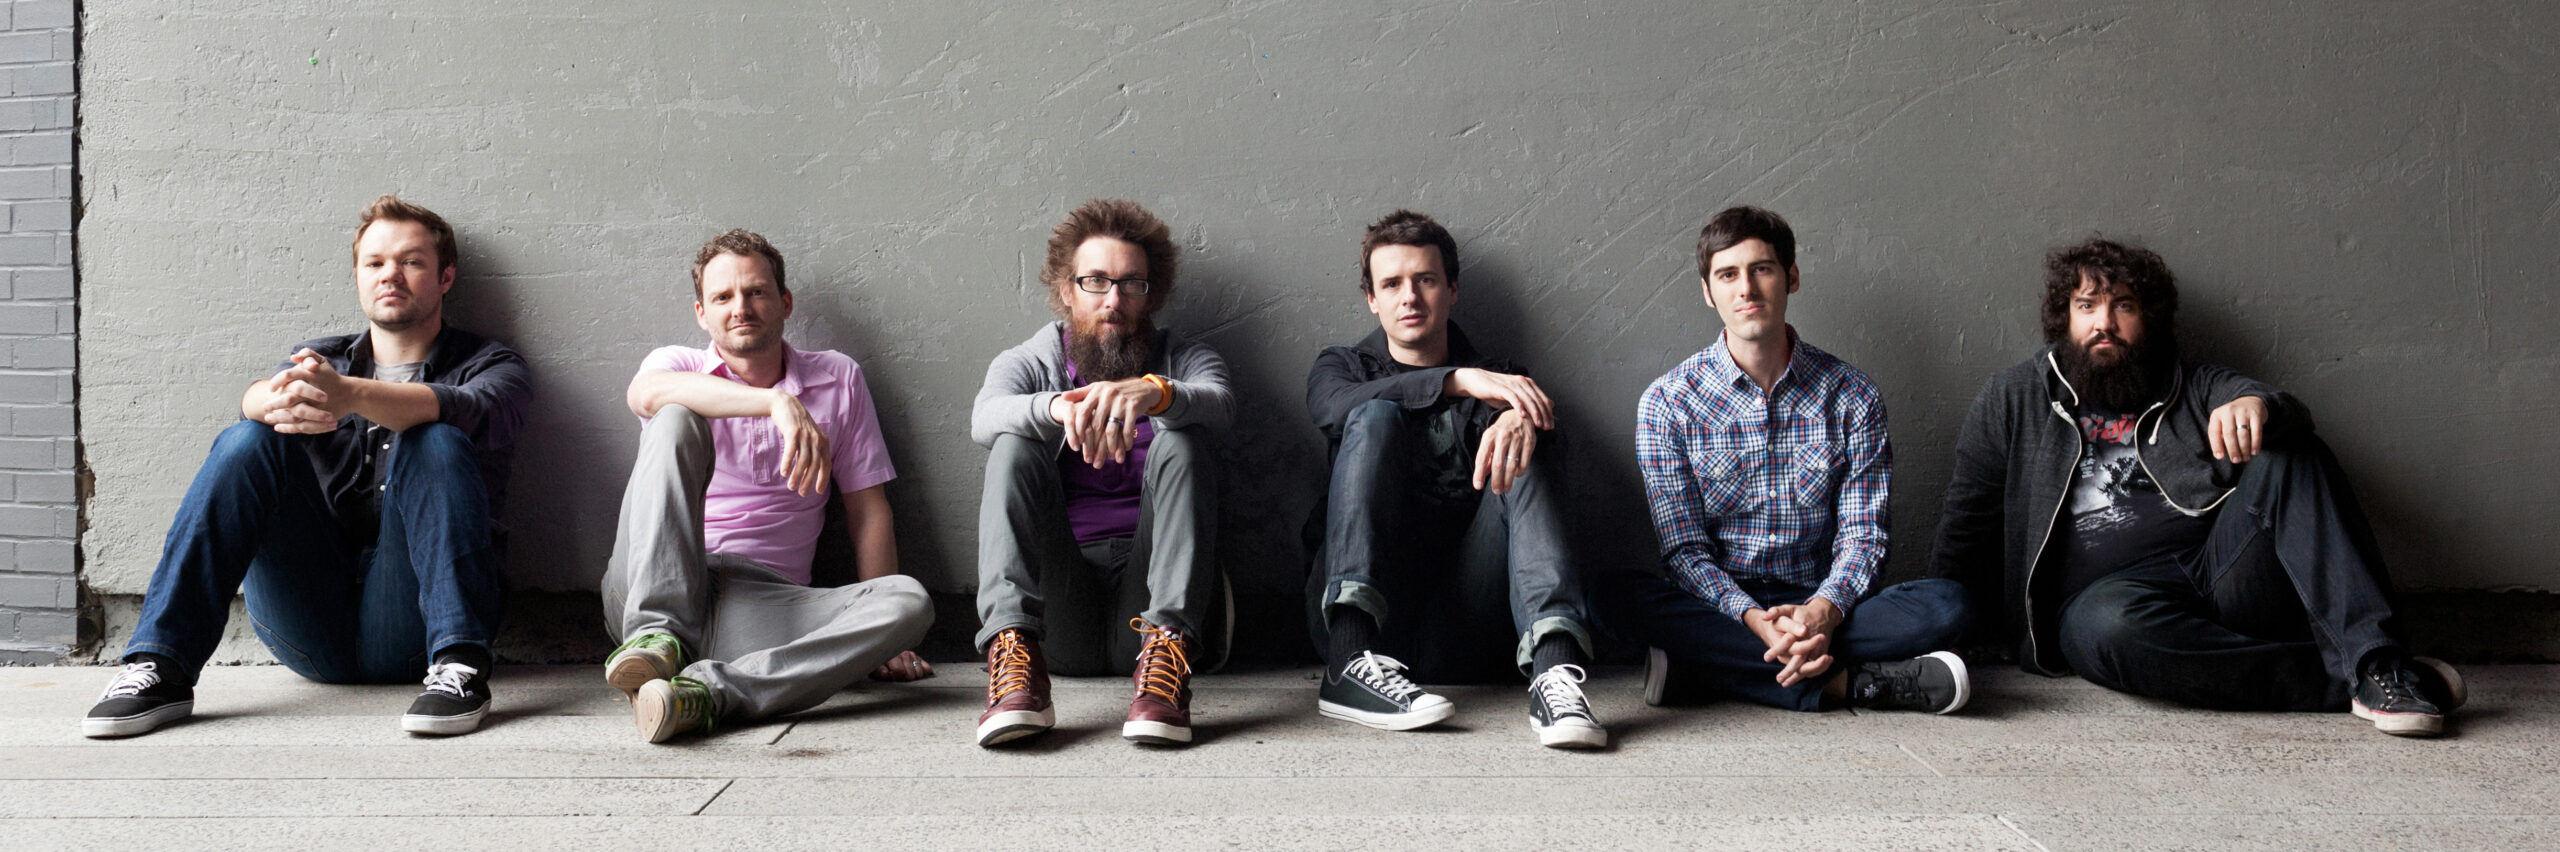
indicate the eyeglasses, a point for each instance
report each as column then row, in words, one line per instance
column 1103, row 284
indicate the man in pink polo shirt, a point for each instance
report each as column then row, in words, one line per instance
column 708, row 588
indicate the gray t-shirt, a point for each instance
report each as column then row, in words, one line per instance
column 377, row 438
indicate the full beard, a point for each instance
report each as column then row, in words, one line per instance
column 2128, row 385
column 1101, row 357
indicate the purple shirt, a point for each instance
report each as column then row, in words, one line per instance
column 1103, row 502
column 749, row 509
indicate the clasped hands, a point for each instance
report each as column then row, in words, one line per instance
column 1502, row 454
column 1101, row 419
column 1798, row 636
column 298, row 398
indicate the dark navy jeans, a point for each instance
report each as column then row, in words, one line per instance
column 1717, row 654
column 332, row 610
column 2286, row 596
column 1459, row 592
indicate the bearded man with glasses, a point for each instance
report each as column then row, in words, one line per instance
column 1100, row 507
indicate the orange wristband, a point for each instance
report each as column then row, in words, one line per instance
column 1164, row 393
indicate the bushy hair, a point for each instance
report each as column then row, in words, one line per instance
column 1118, row 219
column 2138, row 270
column 391, row 208
column 738, row 241
column 1408, row 228
column 1735, row 224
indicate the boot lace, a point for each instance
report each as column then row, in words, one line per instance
column 1008, row 666
column 1560, row 689
column 1384, row 674
column 1164, row 661
column 136, row 677
column 450, row 678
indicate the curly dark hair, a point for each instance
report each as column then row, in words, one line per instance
column 2138, row 270
column 1121, row 220
column 1734, row 224
column 1408, row 228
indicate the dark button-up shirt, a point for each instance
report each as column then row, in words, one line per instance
column 481, row 387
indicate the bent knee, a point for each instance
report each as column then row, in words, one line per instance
column 436, row 438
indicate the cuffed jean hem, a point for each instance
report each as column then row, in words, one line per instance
column 1542, row 628
column 1358, row 595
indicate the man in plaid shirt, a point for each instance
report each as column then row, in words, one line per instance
column 1767, row 466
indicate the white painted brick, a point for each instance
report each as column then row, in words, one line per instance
column 41, row 14
column 42, row 354
column 26, row 47
column 26, row 521
column 27, row 319
column 23, row 592
column 46, row 488
column 41, row 422
column 55, row 626
column 28, row 184
column 42, row 557
column 41, row 215
column 29, row 388
column 53, row 78
column 42, row 284
column 50, row 148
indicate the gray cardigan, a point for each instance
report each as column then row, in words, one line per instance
column 2014, row 463
column 1021, row 382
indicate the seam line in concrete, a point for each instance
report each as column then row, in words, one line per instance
column 778, row 735
column 724, row 787
column 1924, row 763
column 2022, row 833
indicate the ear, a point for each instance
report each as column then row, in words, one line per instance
column 1707, row 288
column 786, row 304
column 1792, row 281
column 446, row 279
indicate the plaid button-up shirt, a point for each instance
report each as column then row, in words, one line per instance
column 1788, row 487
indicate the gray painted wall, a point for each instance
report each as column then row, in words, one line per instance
column 39, row 490
column 2360, row 197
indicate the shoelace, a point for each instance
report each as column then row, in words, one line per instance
column 1382, row 673
column 1163, row 661
column 136, row 677
column 693, row 700
column 2396, row 682
column 673, row 647
column 1561, row 688
column 1010, row 666
column 450, row 678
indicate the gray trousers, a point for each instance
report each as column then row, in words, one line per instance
column 765, row 645
column 1077, row 601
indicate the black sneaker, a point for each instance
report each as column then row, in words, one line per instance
column 1935, row 682
column 1372, row 690
column 143, row 697
column 1560, row 713
column 457, row 696
column 2439, row 684
column 2390, row 693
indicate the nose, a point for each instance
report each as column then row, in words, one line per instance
column 1111, row 298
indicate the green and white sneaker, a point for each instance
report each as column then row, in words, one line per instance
column 646, row 657
column 667, row 707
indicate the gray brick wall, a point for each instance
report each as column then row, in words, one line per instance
column 39, row 450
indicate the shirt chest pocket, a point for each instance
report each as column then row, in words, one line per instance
column 1817, row 471
column 764, row 448
column 1721, row 481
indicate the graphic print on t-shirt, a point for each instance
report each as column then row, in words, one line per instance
column 2118, row 516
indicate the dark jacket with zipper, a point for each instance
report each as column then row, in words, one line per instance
column 2014, row 463
column 1346, row 376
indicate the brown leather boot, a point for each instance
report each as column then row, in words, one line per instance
column 1017, row 691
column 1160, row 714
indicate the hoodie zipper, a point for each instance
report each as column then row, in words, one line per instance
column 2035, row 654
column 2177, row 383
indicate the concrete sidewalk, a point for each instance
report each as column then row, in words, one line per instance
column 272, row 761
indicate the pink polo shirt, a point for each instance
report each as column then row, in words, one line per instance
column 749, row 509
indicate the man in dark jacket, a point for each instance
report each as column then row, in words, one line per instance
column 354, row 506
column 2171, row 529
column 1439, row 539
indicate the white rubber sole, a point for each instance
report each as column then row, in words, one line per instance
column 1657, row 671
column 1012, row 725
column 2456, row 693
column 444, row 726
column 1570, row 735
column 1430, row 711
column 630, row 671
column 138, row 723
column 1154, row 733
column 2399, row 724
column 653, row 711
column 1964, row 680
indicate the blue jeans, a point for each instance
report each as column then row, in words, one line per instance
column 333, row 610
column 1452, row 587
column 1716, row 653
column 2273, row 612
